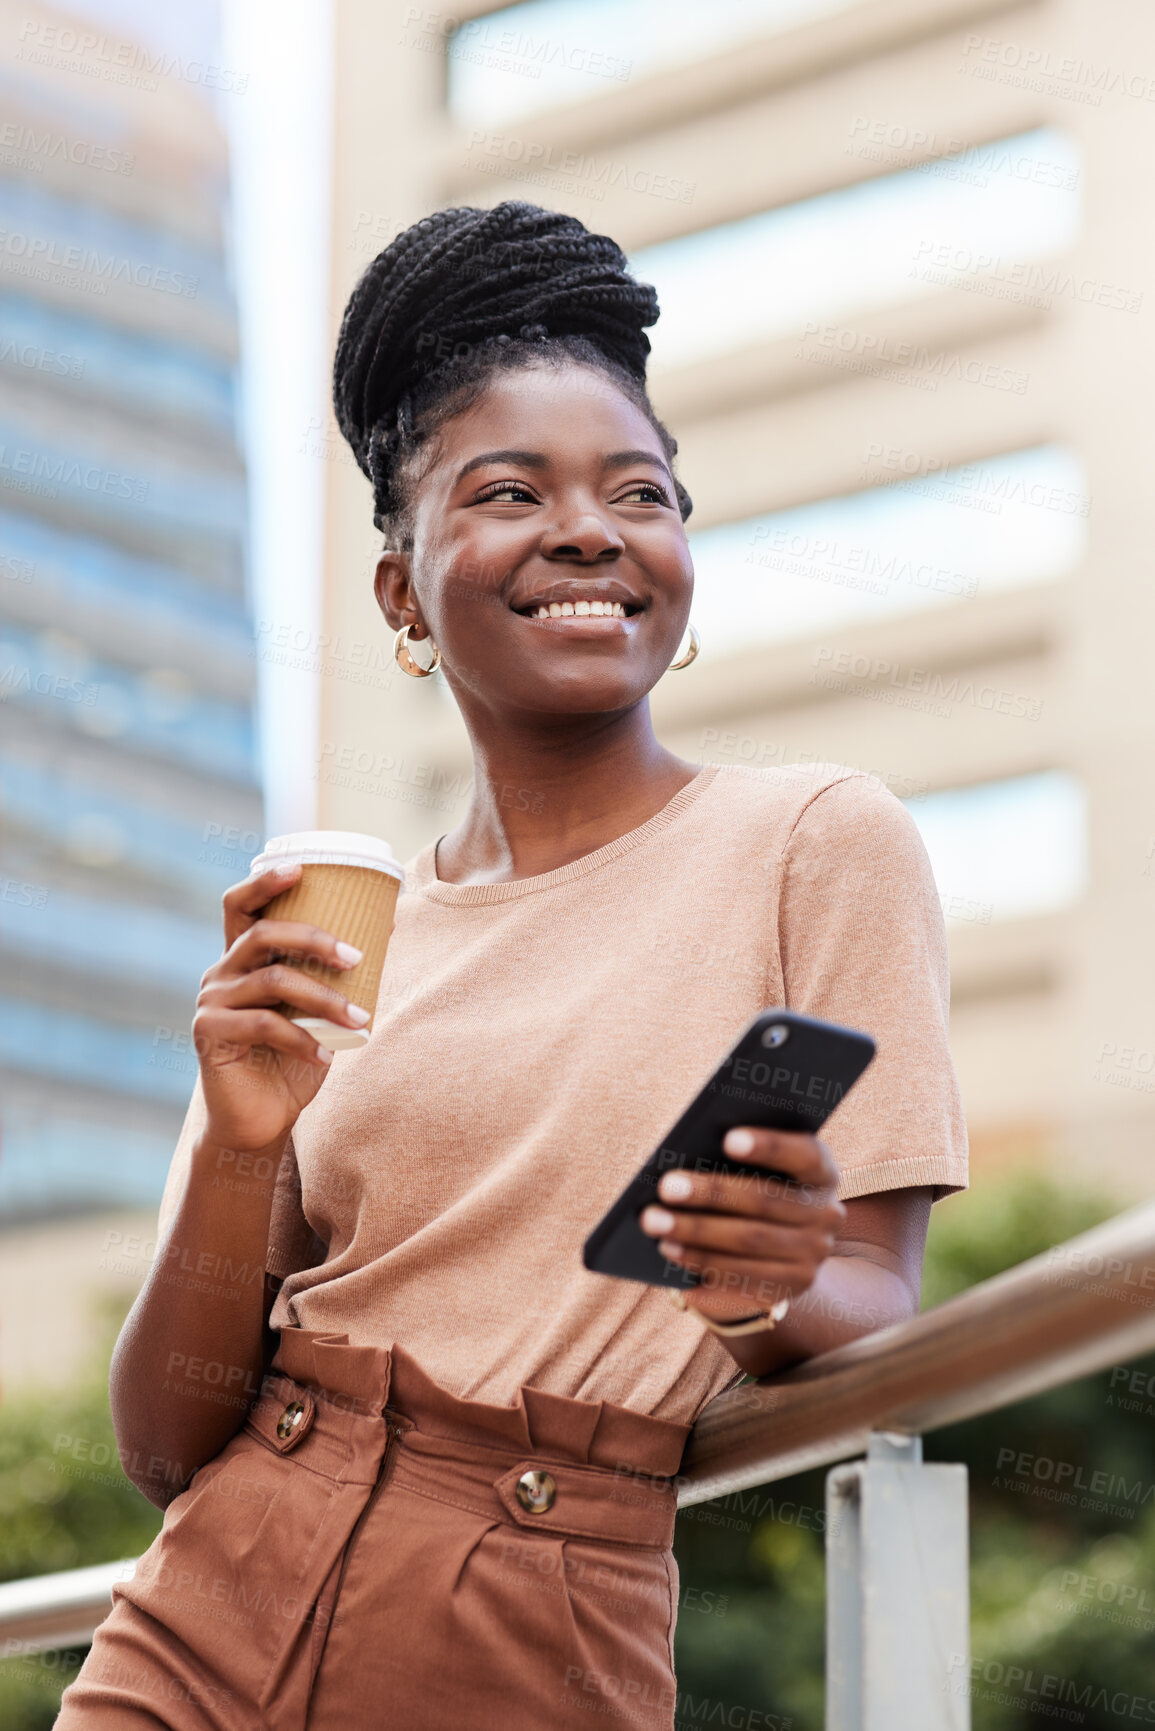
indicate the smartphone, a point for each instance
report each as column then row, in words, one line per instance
column 787, row 1072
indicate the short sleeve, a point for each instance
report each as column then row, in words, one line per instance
column 293, row 1244
column 862, row 942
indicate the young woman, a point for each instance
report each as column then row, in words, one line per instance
column 449, row 1504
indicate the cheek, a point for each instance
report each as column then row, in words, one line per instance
column 463, row 584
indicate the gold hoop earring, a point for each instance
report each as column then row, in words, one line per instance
column 405, row 660
column 691, row 653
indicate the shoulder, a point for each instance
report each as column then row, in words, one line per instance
column 828, row 796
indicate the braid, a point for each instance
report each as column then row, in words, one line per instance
column 465, row 293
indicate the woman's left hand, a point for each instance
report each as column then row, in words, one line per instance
column 753, row 1240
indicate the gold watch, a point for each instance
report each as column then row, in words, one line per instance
column 760, row 1323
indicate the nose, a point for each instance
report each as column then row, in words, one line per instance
column 583, row 538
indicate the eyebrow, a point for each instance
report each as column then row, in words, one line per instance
column 538, row 460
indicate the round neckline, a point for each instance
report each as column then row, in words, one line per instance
column 477, row 895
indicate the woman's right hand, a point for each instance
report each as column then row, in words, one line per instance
column 258, row 1069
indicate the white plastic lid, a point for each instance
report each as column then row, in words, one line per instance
column 328, row 847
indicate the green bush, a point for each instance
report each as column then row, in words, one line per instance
column 64, row 1503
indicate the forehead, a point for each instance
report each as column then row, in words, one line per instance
column 549, row 409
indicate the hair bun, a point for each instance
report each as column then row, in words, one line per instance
column 464, row 277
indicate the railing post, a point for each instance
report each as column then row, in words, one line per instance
column 897, row 1592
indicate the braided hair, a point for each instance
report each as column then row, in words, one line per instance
column 466, row 293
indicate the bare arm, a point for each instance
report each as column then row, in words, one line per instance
column 872, row 1278
column 190, row 1358
column 848, row 1268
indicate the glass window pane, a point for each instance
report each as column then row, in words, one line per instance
column 527, row 58
column 1006, row 848
column 986, row 213
column 888, row 550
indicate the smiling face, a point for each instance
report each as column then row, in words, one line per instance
column 549, row 562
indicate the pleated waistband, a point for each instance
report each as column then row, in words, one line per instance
column 338, row 1408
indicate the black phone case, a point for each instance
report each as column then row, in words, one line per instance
column 787, row 1072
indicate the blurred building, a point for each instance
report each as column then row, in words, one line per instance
column 906, row 348
column 128, row 784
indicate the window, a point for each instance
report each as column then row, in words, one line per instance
column 156, row 1064
column 68, row 1160
column 141, row 371
column 95, row 827
column 158, row 711
column 96, row 935
column 923, row 542
column 1006, row 849
column 60, row 575
column 976, row 218
column 548, row 52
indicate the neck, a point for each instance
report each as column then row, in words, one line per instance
column 543, row 801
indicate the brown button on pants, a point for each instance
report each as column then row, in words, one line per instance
column 359, row 1556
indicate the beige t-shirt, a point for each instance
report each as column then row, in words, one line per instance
column 533, row 1042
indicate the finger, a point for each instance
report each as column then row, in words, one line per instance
column 280, row 984
column 273, row 940
column 223, row 1037
column 758, row 1284
column 738, row 1235
column 243, row 902
column 763, row 1194
column 801, row 1157
column 753, row 1285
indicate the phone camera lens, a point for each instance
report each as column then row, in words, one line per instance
column 775, row 1035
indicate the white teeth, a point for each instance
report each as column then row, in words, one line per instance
column 582, row 609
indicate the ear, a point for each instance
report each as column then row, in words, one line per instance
column 393, row 587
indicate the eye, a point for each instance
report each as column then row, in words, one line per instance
column 651, row 494
column 515, row 491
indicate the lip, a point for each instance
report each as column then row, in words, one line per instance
column 576, row 589
column 598, row 625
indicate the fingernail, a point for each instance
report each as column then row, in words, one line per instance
column 356, row 1015
column 738, row 1142
column 670, row 1250
column 347, row 954
column 675, row 1186
column 324, row 1056
column 657, row 1220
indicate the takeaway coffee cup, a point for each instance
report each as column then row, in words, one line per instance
column 348, row 886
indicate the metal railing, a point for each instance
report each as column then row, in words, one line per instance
column 897, row 1622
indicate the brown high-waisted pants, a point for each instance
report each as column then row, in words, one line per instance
column 359, row 1556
